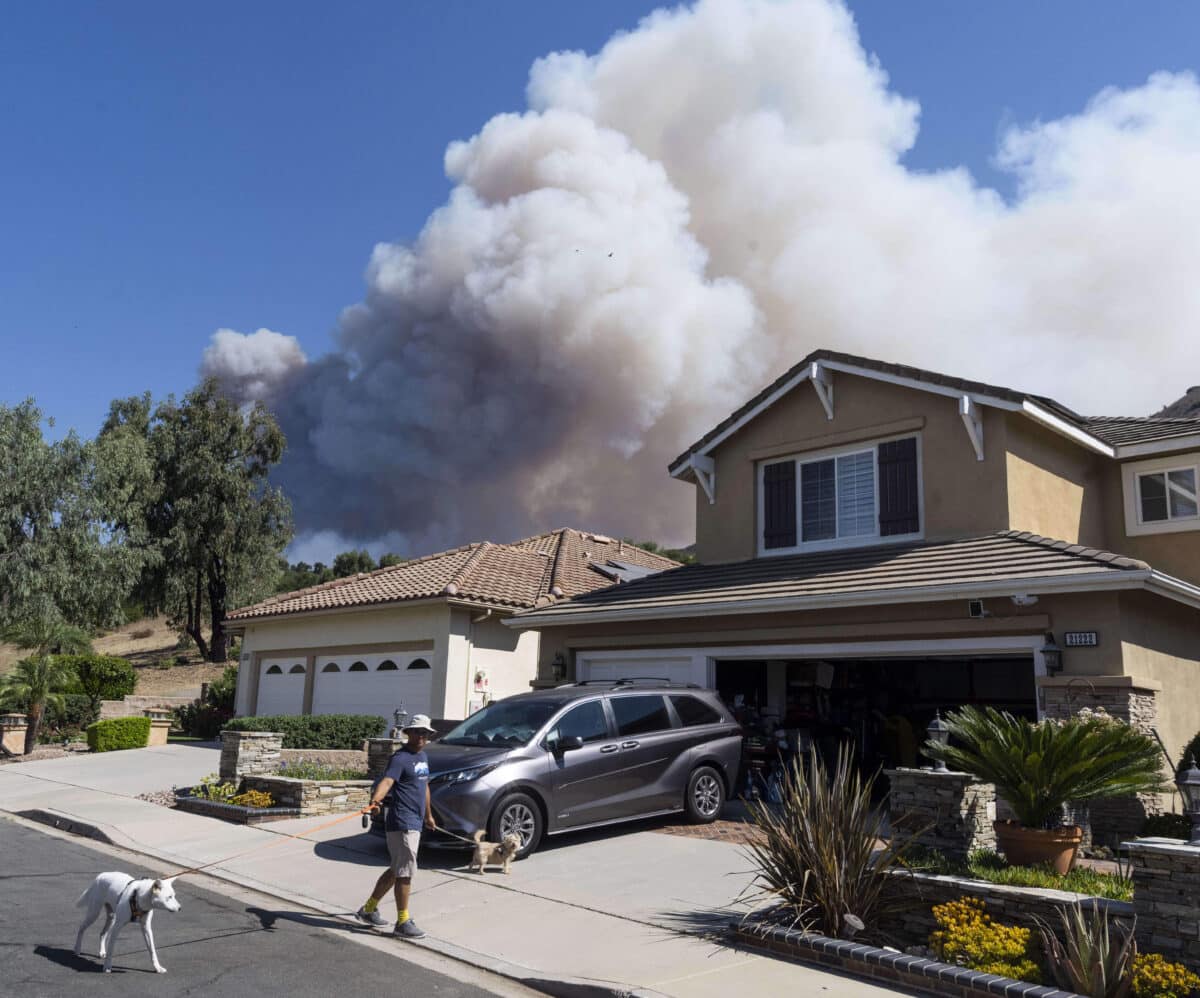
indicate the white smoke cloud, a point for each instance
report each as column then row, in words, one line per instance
column 682, row 215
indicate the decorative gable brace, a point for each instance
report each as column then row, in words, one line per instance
column 822, row 381
column 973, row 420
column 706, row 474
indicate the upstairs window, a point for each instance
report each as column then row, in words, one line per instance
column 853, row 497
column 1162, row 495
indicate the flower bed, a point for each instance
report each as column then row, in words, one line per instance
column 185, row 800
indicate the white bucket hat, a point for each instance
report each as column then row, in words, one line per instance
column 420, row 722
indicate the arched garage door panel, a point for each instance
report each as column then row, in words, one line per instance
column 358, row 684
column 280, row 686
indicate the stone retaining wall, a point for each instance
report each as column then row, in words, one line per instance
column 135, row 706
column 949, row 812
column 1166, row 897
column 246, row 753
column 313, row 796
column 379, row 751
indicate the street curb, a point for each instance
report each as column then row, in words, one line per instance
column 559, row 987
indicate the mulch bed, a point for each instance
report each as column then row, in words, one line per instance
column 735, row 832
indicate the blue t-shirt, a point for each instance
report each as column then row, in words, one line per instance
column 406, row 799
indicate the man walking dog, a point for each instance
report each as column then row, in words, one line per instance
column 405, row 785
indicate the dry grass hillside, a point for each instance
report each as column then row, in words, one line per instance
column 149, row 645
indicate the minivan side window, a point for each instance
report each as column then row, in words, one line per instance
column 640, row 715
column 693, row 711
column 587, row 721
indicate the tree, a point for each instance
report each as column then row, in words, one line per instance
column 390, row 559
column 684, row 556
column 217, row 525
column 40, row 679
column 101, row 677
column 352, row 562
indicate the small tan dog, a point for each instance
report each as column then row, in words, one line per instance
column 494, row 853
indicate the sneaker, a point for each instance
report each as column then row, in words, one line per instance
column 370, row 917
column 407, row 930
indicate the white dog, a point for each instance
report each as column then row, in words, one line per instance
column 124, row 900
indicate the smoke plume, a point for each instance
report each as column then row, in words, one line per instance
column 676, row 219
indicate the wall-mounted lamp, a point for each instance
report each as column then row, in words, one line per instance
column 1052, row 656
column 558, row 668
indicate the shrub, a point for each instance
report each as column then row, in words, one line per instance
column 967, row 936
column 142, row 633
column 1167, row 826
column 202, row 720
column 211, row 788
column 305, row 770
column 1155, row 977
column 1089, row 959
column 118, row 733
column 818, row 855
column 223, row 692
column 68, row 718
column 253, row 798
column 315, row 731
column 101, row 677
column 1039, row 767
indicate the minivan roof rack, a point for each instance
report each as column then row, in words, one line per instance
column 637, row 680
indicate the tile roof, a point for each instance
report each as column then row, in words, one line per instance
column 527, row 573
column 882, row 573
column 1113, row 430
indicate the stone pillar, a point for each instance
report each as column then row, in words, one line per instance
column 1166, row 898
column 249, row 753
column 379, row 751
column 949, row 812
column 160, row 725
column 12, row 733
column 1127, row 698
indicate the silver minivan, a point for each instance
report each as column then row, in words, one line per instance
column 584, row 755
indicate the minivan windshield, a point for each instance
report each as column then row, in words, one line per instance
column 503, row 723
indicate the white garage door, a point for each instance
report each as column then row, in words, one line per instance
column 281, row 686
column 677, row 668
column 373, row 684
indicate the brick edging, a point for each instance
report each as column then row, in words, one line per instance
column 872, row 963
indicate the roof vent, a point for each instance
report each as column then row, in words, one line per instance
column 450, row 590
column 600, row 538
column 556, row 592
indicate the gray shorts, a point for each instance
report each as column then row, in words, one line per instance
column 403, row 846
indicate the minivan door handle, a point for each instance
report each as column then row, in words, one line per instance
column 629, row 744
column 609, row 748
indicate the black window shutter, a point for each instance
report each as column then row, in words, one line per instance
column 899, row 512
column 779, row 505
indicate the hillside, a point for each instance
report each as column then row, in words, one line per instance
column 149, row 645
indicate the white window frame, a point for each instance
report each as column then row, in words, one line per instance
column 1132, row 474
column 862, row 540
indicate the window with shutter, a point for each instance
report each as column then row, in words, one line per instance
column 779, row 505
column 899, row 502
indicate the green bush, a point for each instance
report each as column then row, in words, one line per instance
column 315, row 731
column 222, row 692
column 1167, row 826
column 69, row 718
column 202, row 720
column 1190, row 754
column 101, row 677
column 118, row 733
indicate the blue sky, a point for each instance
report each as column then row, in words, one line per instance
column 170, row 170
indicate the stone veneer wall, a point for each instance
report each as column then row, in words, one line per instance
column 313, row 796
column 379, row 751
column 246, row 753
column 13, row 728
column 135, row 706
column 949, row 812
column 1166, row 897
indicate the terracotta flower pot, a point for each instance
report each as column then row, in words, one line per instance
column 1056, row 847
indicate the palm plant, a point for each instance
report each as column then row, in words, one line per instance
column 1090, row 959
column 40, row 679
column 47, row 634
column 1039, row 767
column 819, row 853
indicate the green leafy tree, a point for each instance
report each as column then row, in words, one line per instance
column 390, row 560
column 218, row 527
column 101, row 677
column 42, row 678
column 353, row 562
column 681, row 555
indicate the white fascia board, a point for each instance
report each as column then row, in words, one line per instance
column 1102, row 581
column 1151, row 447
column 919, row 385
column 1059, row 425
column 1162, row 584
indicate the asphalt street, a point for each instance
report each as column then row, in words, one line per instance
column 216, row 944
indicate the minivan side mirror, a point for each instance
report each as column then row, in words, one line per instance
column 561, row 745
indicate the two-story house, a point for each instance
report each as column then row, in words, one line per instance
column 876, row 542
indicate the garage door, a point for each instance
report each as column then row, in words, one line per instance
column 373, row 684
column 677, row 669
column 281, row 686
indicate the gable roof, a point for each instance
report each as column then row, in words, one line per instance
column 999, row 564
column 1105, row 434
column 527, row 573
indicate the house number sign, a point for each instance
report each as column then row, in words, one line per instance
column 1081, row 639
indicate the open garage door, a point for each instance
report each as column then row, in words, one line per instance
column 281, row 686
column 379, row 683
column 683, row 668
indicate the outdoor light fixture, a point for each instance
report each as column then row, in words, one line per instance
column 939, row 732
column 1188, row 783
column 1052, row 656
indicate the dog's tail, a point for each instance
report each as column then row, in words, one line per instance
column 83, row 898
column 479, row 835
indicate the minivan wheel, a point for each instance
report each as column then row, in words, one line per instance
column 517, row 814
column 705, row 796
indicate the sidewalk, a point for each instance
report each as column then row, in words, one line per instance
column 595, row 913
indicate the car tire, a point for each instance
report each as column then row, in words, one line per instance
column 705, row 796
column 518, row 813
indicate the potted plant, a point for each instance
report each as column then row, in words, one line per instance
column 1038, row 767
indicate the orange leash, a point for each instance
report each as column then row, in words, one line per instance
column 283, row 837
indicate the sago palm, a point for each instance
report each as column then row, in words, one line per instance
column 1039, row 767
column 45, row 635
column 32, row 684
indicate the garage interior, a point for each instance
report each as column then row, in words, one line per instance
column 882, row 705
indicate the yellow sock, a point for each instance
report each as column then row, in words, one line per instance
column 402, row 917
column 370, row 906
